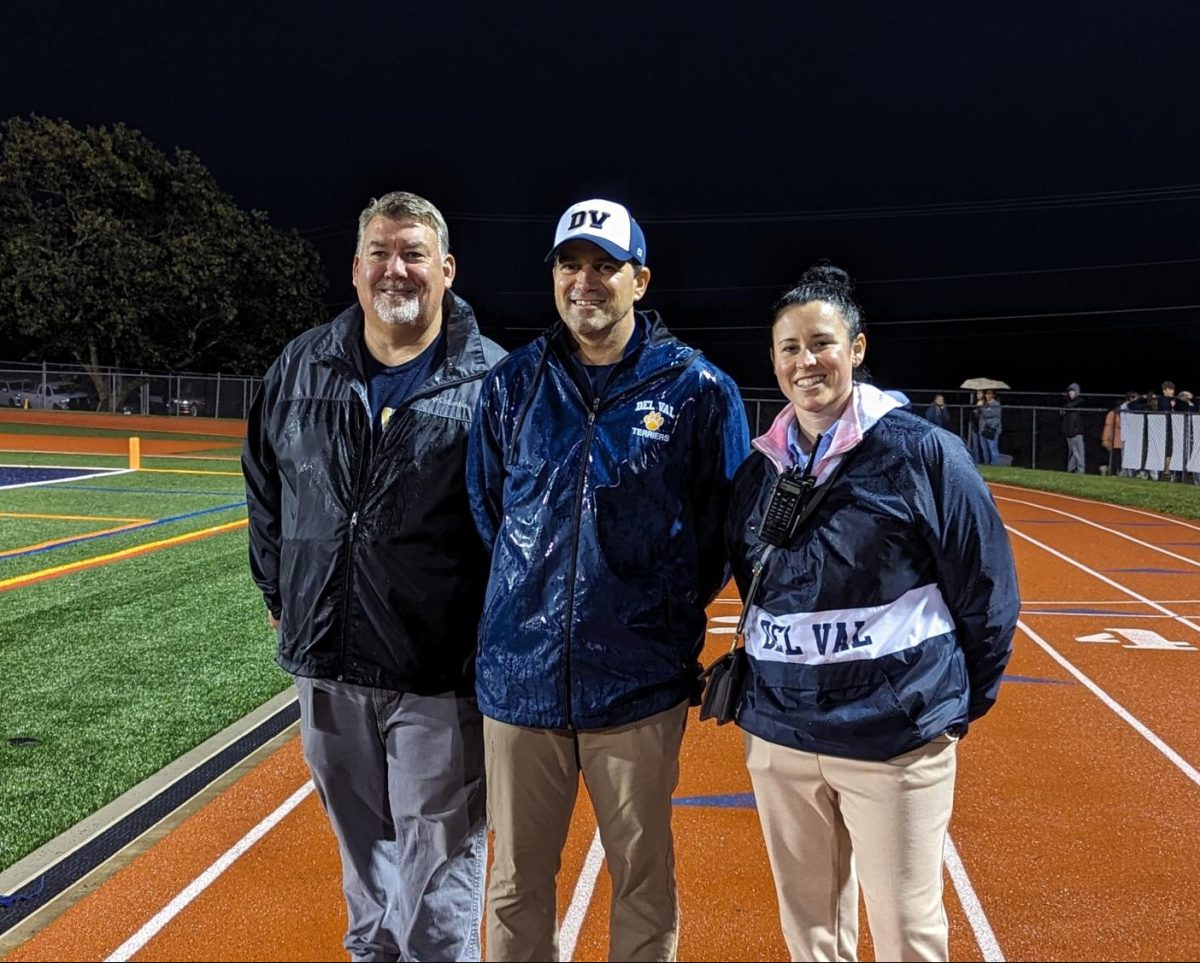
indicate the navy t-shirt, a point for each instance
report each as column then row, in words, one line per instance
column 388, row 387
column 598, row 374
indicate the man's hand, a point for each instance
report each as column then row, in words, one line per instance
column 274, row 621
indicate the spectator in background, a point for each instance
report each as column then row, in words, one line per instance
column 937, row 412
column 1110, row 435
column 1186, row 402
column 1073, row 430
column 974, row 444
column 1169, row 403
column 988, row 411
column 1150, row 402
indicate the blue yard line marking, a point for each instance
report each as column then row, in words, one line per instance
column 737, row 800
column 1155, row 571
column 142, row 491
column 125, row 531
column 21, row 475
column 1033, row 680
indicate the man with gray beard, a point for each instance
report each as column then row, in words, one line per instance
column 363, row 544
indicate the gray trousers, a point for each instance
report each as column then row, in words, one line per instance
column 401, row 779
column 1075, row 462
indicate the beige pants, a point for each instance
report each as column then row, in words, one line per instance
column 831, row 823
column 532, row 782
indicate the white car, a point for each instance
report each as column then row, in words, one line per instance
column 52, row 395
column 11, row 390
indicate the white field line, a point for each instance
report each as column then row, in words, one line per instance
column 572, row 922
column 1106, row 580
column 1103, row 528
column 980, row 926
column 103, row 473
column 1110, row 602
column 1125, row 715
column 1093, row 502
column 206, row 879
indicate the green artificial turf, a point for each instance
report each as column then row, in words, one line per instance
column 116, row 671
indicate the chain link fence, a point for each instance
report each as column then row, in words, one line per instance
column 1155, row 444
column 1167, row 444
column 118, row 390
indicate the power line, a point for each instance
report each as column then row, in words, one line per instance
column 760, row 326
column 1184, row 192
column 779, row 286
column 985, row 317
column 1144, row 195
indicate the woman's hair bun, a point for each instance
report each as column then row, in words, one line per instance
column 828, row 275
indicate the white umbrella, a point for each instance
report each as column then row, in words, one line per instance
column 982, row 384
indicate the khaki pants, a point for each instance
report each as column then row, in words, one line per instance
column 532, row 782
column 830, row 823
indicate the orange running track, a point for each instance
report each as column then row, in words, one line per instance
column 1076, row 832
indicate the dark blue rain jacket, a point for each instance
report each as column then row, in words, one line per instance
column 889, row 619
column 604, row 516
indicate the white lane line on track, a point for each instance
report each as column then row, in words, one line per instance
column 206, row 879
column 1136, row 724
column 1067, row 614
column 572, row 922
column 1183, row 620
column 1027, row 602
column 1091, row 501
column 1103, row 528
column 980, row 926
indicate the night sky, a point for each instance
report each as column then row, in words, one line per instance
column 1016, row 188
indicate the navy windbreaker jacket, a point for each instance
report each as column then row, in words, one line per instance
column 604, row 519
column 889, row 620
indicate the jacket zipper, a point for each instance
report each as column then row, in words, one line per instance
column 587, row 444
column 597, row 404
column 348, row 581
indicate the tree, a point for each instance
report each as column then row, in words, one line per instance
column 112, row 254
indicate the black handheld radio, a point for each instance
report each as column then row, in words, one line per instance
column 787, row 502
column 789, row 497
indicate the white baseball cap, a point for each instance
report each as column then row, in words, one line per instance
column 606, row 224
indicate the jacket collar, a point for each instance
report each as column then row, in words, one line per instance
column 464, row 343
column 659, row 348
column 867, row 405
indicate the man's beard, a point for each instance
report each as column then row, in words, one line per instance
column 393, row 312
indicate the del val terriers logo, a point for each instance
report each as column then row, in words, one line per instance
column 654, row 419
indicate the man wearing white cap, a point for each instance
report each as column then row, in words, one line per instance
column 598, row 472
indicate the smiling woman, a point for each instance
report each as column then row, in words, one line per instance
column 881, row 631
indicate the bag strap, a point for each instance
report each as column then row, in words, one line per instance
column 816, row 496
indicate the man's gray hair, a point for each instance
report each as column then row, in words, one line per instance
column 399, row 206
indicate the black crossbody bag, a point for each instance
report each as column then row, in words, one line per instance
column 793, row 499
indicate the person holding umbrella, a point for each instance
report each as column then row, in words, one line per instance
column 986, row 420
